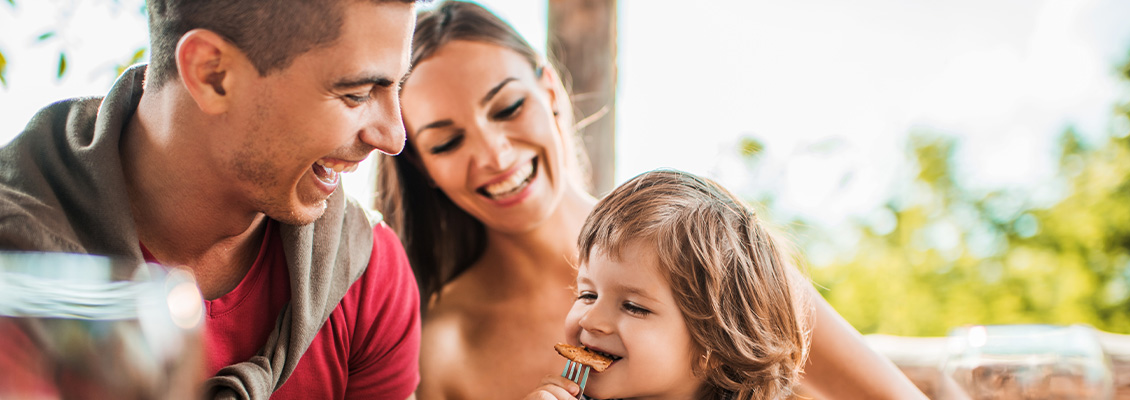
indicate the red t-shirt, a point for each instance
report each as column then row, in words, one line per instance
column 368, row 348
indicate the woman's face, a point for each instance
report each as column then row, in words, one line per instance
column 483, row 124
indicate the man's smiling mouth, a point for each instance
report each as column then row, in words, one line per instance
column 329, row 172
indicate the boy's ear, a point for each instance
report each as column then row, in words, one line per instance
column 205, row 62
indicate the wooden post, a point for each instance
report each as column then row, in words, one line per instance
column 582, row 40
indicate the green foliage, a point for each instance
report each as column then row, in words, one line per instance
column 62, row 64
column 137, row 57
column 957, row 257
column 750, row 147
column 3, row 70
column 58, row 35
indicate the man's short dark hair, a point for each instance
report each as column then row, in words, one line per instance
column 272, row 33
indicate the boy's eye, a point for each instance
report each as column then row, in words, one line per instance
column 508, row 112
column 587, row 296
column 447, row 146
column 635, row 309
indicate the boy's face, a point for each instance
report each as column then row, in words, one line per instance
column 626, row 309
column 294, row 131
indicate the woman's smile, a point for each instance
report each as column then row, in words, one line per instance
column 512, row 187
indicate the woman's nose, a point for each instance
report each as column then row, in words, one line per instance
column 496, row 151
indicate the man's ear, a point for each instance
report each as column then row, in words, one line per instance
column 205, row 61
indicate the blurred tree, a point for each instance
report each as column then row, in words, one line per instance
column 56, row 35
column 956, row 257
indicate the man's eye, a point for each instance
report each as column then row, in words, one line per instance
column 447, row 146
column 508, row 112
column 357, row 99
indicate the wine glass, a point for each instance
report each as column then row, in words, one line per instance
column 83, row 326
column 1005, row 362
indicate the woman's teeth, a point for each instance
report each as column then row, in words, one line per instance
column 514, row 183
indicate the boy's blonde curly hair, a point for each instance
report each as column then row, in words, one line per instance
column 744, row 305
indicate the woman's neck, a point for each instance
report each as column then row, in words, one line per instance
column 548, row 250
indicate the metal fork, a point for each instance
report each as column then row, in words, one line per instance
column 578, row 373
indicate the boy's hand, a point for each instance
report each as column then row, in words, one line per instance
column 555, row 387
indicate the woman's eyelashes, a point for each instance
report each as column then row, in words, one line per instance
column 510, row 111
column 504, row 114
column 448, row 145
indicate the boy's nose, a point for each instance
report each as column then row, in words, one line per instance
column 594, row 321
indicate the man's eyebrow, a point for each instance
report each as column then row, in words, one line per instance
column 493, row 91
column 350, row 83
column 443, row 123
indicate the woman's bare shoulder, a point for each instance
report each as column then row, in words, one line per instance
column 454, row 360
column 443, row 353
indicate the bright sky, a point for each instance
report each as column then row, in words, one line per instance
column 831, row 87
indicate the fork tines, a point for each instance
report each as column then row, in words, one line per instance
column 578, row 373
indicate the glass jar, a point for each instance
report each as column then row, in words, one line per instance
column 1026, row 362
column 83, row 326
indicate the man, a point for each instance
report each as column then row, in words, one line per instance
column 224, row 156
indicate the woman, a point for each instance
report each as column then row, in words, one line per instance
column 489, row 202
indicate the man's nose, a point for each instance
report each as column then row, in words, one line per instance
column 385, row 128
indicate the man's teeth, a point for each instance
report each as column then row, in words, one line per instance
column 338, row 167
column 513, row 183
column 325, row 174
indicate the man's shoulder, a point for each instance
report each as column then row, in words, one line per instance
column 30, row 216
column 62, row 117
column 65, row 116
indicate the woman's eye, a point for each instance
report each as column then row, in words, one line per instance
column 449, row 145
column 635, row 309
column 508, row 112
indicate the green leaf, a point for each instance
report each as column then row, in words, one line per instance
column 751, row 147
column 45, row 36
column 136, row 58
column 3, row 68
column 62, row 64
